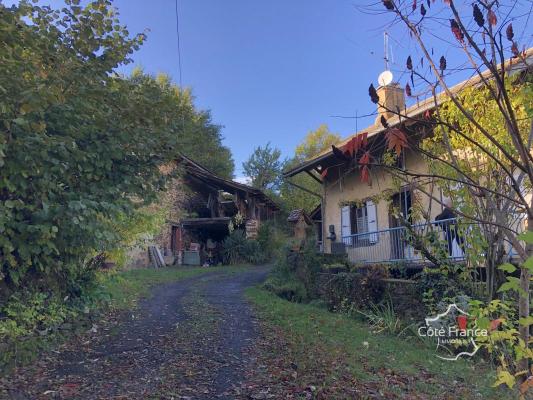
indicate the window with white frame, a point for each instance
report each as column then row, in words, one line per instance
column 358, row 224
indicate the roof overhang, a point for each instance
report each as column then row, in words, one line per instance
column 209, row 178
column 199, row 222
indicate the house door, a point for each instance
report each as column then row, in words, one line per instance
column 401, row 202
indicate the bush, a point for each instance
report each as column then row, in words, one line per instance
column 30, row 321
column 288, row 289
column 357, row 289
column 438, row 290
column 237, row 249
column 295, row 275
column 272, row 239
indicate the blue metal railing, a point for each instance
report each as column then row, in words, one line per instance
column 393, row 245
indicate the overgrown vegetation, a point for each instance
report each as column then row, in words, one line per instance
column 34, row 321
column 295, row 274
column 238, row 249
column 346, row 354
column 81, row 154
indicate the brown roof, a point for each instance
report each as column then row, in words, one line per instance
column 410, row 113
column 210, row 178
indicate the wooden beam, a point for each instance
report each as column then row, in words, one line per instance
column 304, row 189
column 313, row 176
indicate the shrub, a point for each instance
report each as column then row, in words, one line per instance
column 29, row 321
column 383, row 319
column 295, row 275
column 237, row 249
column 438, row 289
column 271, row 238
column 354, row 288
column 288, row 289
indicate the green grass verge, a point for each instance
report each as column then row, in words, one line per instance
column 309, row 327
column 124, row 288
column 20, row 342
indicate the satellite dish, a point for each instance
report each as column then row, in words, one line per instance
column 385, row 78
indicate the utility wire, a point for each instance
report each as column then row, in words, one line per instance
column 179, row 48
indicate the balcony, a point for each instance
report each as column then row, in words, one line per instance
column 393, row 245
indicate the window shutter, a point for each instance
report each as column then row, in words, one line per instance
column 346, row 226
column 372, row 221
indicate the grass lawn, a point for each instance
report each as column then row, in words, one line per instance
column 314, row 333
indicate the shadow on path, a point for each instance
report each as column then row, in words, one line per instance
column 189, row 340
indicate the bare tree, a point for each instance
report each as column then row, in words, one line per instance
column 482, row 36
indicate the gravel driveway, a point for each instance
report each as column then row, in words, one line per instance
column 189, row 340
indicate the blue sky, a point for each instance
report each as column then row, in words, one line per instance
column 273, row 70
column 269, row 71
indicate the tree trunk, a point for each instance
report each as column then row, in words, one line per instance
column 523, row 302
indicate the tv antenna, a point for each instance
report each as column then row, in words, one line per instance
column 386, row 49
column 386, row 77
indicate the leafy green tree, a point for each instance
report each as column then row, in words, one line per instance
column 81, row 148
column 314, row 143
column 264, row 168
column 197, row 136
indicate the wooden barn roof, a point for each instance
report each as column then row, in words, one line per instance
column 208, row 177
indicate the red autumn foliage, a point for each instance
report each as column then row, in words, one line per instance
column 365, row 158
column 494, row 324
column 363, row 165
column 408, row 91
column 478, row 16
column 373, row 94
column 365, row 174
column 389, row 5
column 442, row 64
column 509, row 32
column 396, row 140
column 491, row 16
column 351, row 148
column 340, row 154
column 458, row 33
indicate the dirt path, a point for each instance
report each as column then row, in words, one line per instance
column 190, row 340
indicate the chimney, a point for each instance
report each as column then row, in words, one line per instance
column 391, row 101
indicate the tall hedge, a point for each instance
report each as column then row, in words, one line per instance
column 79, row 144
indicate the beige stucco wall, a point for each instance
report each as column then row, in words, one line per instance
column 350, row 188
